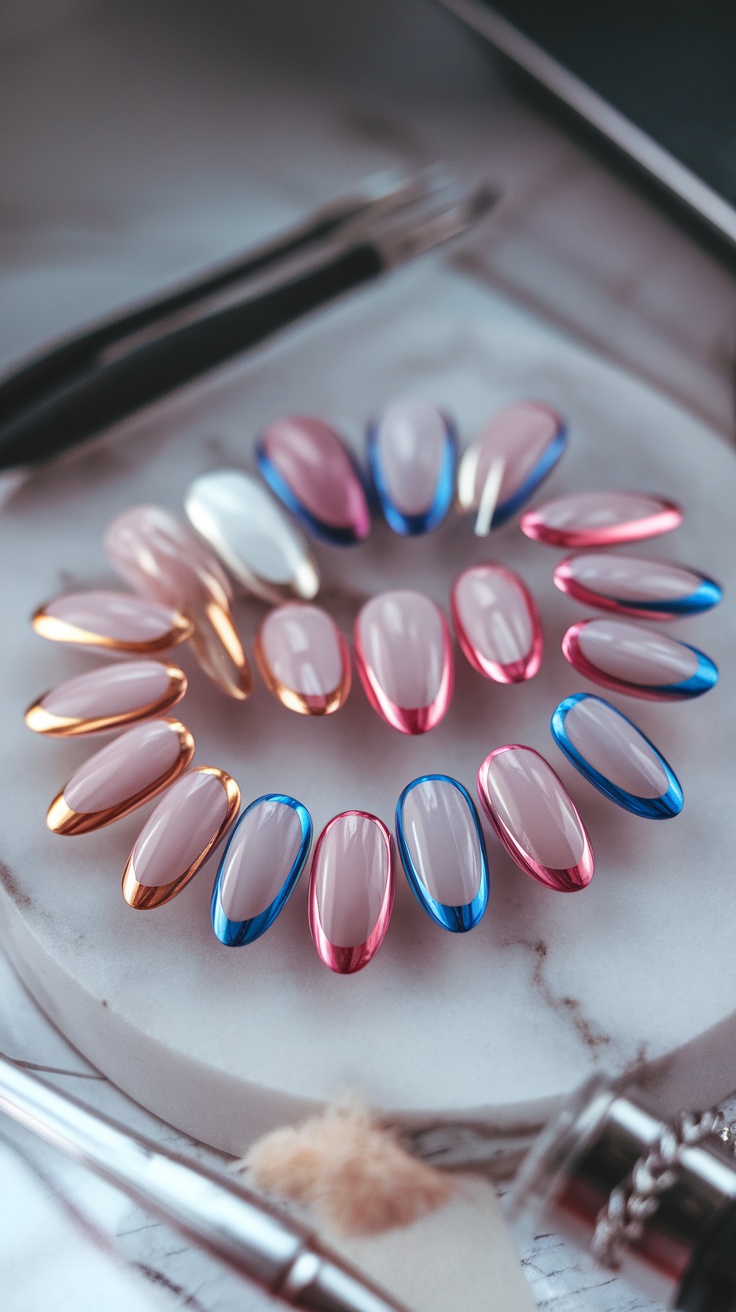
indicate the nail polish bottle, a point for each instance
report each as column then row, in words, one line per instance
column 685, row 1256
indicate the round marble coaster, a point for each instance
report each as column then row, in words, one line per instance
column 638, row 969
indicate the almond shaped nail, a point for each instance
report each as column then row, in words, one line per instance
column 314, row 474
column 535, row 818
column 631, row 585
column 403, row 654
column 529, row 439
column 161, row 557
column 260, row 868
column 108, row 698
column 351, row 890
column 631, row 659
column 598, row 519
column 252, row 536
column 497, row 623
column 111, row 621
column 441, row 846
column 185, row 828
column 304, row 659
column 616, row 757
column 129, row 771
column 412, row 454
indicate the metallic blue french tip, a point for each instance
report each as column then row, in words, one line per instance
column 544, row 466
column 336, row 536
column 704, row 678
column 236, row 933
column 458, row 919
column 432, row 517
column 663, row 807
column 705, row 597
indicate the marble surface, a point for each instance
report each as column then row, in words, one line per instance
column 205, row 137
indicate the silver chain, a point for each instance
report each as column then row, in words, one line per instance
column 633, row 1203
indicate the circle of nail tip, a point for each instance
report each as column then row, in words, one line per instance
column 529, row 437
column 111, row 621
column 361, row 912
column 535, row 819
column 620, row 644
column 174, row 837
column 252, row 536
column 160, row 556
column 462, row 825
column 237, row 922
column 585, row 720
column 598, row 519
column 315, row 475
column 303, row 659
column 108, row 698
column 96, row 794
column 412, row 457
column 403, row 655
column 497, row 623
column 645, row 589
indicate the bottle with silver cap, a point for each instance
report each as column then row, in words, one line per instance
column 653, row 1199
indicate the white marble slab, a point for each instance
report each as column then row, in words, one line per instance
column 222, row 1042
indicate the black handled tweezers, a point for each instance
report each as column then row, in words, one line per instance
column 105, row 374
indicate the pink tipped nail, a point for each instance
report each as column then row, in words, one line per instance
column 351, row 890
column 403, row 654
column 497, row 623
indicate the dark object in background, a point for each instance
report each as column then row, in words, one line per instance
column 656, row 77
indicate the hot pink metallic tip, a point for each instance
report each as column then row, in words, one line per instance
column 497, row 623
column 600, row 519
column 535, row 818
column 403, row 654
column 351, row 890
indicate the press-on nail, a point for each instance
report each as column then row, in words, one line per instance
column 260, row 868
column 597, row 519
column 630, row 585
column 351, row 890
column 304, row 659
column 631, row 659
column 529, row 439
column 111, row 621
column 306, row 463
column 616, row 757
column 412, row 452
column 179, row 835
column 107, row 698
column 252, row 536
column 535, row 818
column 122, row 776
column 403, row 655
column 497, row 623
column 442, row 851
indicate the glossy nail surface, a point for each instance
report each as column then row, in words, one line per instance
column 597, row 519
column 176, row 840
column 111, row 621
column 309, row 467
column 535, row 818
column 304, row 659
column 129, row 771
column 403, row 655
column 161, row 556
column 260, row 868
column 631, row 659
column 442, row 851
column 351, row 890
column 412, row 453
column 529, row 439
column 616, row 757
column 108, row 698
column 497, row 623
column 251, row 535
column 631, row 585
